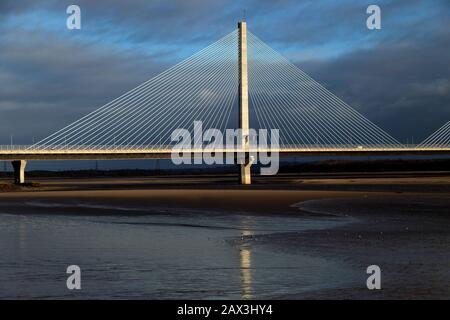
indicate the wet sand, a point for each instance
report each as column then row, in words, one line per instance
column 265, row 196
column 401, row 222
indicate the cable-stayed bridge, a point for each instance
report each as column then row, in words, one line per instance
column 238, row 82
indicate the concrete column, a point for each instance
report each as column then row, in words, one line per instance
column 19, row 171
column 243, row 102
column 246, row 174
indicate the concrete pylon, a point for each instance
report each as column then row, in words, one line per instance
column 246, row 177
column 19, row 171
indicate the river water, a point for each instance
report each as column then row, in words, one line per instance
column 166, row 255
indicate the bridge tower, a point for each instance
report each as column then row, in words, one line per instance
column 243, row 103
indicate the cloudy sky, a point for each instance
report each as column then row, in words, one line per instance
column 398, row 77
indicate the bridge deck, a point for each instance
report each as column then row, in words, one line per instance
column 165, row 153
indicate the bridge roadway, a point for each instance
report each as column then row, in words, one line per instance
column 23, row 153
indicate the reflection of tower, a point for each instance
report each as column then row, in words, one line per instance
column 246, row 274
column 22, row 236
column 246, row 271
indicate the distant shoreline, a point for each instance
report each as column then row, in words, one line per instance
column 316, row 167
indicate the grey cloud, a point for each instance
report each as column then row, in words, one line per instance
column 56, row 81
column 404, row 88
column 439, row 87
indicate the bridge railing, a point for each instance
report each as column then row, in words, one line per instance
column 285, row 147
column 14, row 147
column 81, row 147
column 168, row 146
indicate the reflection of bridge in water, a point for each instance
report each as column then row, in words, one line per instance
column 246, row 273
column 238, row 82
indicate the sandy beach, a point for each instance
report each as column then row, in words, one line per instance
column 400, row 222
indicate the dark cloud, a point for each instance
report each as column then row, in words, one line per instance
column 11, row 7
column 48, row 82
column 405, row 87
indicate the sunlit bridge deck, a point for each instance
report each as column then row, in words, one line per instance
column 8, row 153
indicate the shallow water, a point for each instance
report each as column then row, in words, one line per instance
column 190, row 255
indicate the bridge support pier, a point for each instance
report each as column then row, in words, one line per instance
column 19, row 171
column 246, row 172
